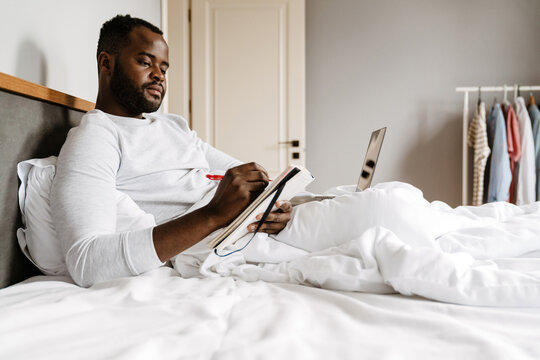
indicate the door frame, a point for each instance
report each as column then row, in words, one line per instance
column 176, row 26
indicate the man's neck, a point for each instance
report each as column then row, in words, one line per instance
column 114, row 108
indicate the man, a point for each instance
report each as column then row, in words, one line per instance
column 154, row 158
column 388, row 235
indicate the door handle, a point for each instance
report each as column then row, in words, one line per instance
column 293, row 143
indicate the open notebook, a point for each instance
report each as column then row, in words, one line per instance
column 289, row 183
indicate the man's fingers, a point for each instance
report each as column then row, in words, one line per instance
column 249, row 167
column 274, row 223
column 247, row 173
column 284, row 205
column 255, row 187
column 251, row 176
column 238, row 188
column 275, row 217
column 257, row 167
column 268, row 227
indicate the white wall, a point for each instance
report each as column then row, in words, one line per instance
column 369, row 64
column 396, row 63
column 53, row 42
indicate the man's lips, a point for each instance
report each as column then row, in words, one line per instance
column 155, row 90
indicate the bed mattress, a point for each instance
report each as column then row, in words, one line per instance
column 162, row 315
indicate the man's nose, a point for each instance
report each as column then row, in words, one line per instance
column 157, row 75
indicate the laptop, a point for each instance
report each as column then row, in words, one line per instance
column 366, row 173
column 370, row 160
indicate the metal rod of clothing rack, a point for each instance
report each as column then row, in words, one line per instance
column 498, row 88
column 464, row 147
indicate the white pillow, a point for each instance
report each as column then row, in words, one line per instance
column 38, row 239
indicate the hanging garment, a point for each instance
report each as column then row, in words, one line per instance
column 477, row 139
column 500, row 175
column 514, row 145
column 526, row 178
column 534, row 113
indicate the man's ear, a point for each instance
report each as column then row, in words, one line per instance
column 105, row 62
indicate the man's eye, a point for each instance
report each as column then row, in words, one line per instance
column 164, row 72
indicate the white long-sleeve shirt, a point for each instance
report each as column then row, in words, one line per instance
column 157, row 161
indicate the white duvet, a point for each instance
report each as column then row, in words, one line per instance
column 390, row 239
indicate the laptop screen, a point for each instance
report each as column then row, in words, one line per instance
column 370, row 161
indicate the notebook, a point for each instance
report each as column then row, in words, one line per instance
column 289, row 183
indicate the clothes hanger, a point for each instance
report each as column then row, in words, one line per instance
column 531, row 99
column 516, row 91
column 505, row 98
column 479, row 96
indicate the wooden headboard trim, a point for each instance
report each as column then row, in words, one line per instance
column 35, row 91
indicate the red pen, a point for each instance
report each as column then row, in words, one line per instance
column 214, row 177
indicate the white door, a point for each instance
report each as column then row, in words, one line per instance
column 248, row 79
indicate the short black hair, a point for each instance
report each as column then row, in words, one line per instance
column 114, row 34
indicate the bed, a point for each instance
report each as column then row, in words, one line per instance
column 162, row 315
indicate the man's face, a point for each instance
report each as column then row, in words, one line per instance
column 138, row 79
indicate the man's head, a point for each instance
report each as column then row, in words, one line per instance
column 132, row 61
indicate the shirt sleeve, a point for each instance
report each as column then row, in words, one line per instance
column 218, row 160
column 83, row 203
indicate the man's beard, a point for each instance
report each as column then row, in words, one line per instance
column 129, row 95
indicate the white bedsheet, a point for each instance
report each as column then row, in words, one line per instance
column 160, row 315
column 390, row 239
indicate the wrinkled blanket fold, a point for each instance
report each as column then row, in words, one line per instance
column 390, row 239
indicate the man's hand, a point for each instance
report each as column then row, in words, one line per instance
column 276, row 220
column 238, row 188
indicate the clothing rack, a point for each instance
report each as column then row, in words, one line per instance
column 465, row 149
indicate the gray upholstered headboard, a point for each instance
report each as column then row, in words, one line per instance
column 34, row 122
